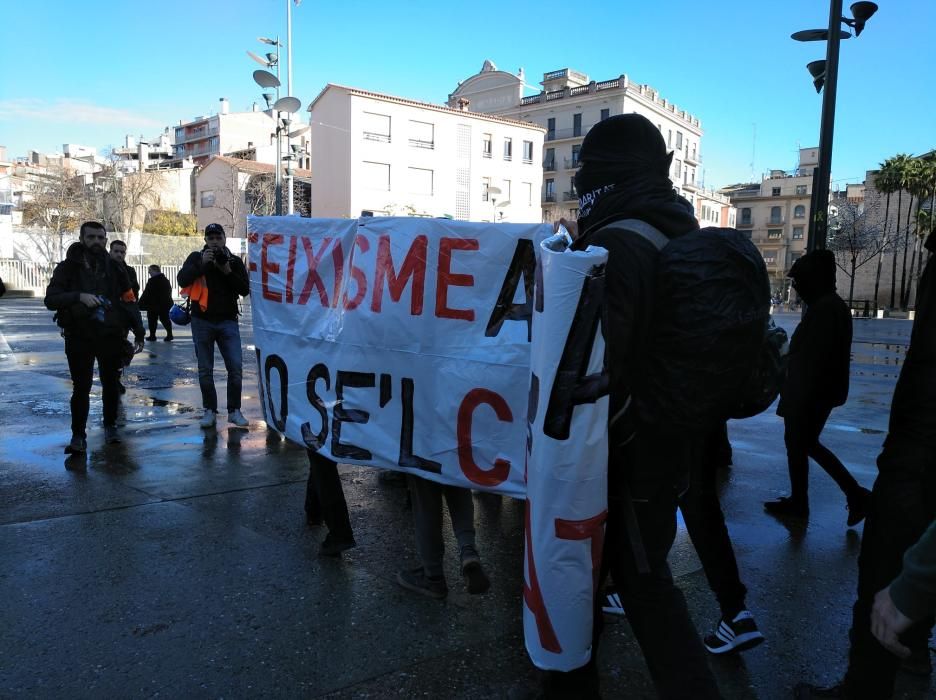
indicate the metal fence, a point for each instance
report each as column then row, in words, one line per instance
column 29, row 276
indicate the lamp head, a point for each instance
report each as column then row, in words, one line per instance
column 817, row 71
column 268, row 98
column 862, row 12
column 272, row 59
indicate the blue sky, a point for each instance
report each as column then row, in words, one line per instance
column 93, row 71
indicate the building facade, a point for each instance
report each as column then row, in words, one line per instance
column 775, row 212
column 568, row 105
column 375, row 154
column 205, row 137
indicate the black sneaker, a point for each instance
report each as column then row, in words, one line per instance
column 167, row 339
column 739, row 634
column 858, row 507
column 111, row 435
column 475, row 578
column 416, row 580
column 77, row 446
column 787, row 507
column 612, row 602
column 151, row 338
column 333, row 547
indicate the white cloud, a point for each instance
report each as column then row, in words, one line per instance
column 69, row 111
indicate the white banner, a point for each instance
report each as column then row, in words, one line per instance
column 567, row 452
column 401, row 343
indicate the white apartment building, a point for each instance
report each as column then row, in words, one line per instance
column 205, row 137
column 383, row 155
column 568, row 105
column 136, row 155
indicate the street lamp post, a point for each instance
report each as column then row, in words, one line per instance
column 825, row 73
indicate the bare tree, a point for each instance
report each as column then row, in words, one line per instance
column 260, row 195
column 854, row 238
column 58, row 202
column 128, row 196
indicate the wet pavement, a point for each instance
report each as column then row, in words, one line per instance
column 178, row 563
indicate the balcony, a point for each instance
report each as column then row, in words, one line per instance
column 374, row 136
column 549, row 197
column 692, row 159
column 572, row 163
column 570, row 196
column 419, row 143
column 745, row 224
column 690, row 186
column 549, row 166
column 570, row 133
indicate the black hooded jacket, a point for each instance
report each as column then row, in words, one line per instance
column 85, row 272
column 913, row 409
column 223, row 290
column 820, row 350
column 157, row 295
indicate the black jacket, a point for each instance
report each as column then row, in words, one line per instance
column 134, row 282
column 81, row 272
column 913, row 409
column 223, row 290
column 820, row 350
column 157, row 295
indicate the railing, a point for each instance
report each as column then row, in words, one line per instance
column 549, row 197
column 570, row 196
column 373, row 136
column 555, row 95
column 580, row 90
column 571, row 133
column 31, row 276
column 608, row 84
column 572, row 163
column 549, row 166
column 418, row 143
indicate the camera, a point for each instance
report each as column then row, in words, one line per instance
column 221, row 257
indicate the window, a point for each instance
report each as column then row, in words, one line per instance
column 576, row 149
column 572, row 193
column 577, row 124
column 797, row 233
column 422, row 134
column 574, row 212
column 508, row 148
column 207, row 198
column 677, row 169
column 420, row 181
column 799, row 212
column 550, row 191
column 776, row 216
column 485, row 189
column 550, row 128
column 486, row 145
column 376, row 176
column 549, row 163
column 775, row 192
column 770, row 257
column 376, row 126
column 774, row 233
column 527, row 192
column 801, row 190
column 505, row 191
column 678, row 140
column 527, row 151
column 605, row 113
column 746, row 216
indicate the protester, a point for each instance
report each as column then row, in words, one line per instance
column 903, row 505
column 213, row 279
column 428, row 578
column 157, row 300
column 2, row 288
column 625, row 175
column 817, row 382
column 325, row 503
column 94, row 304
column 118, row 253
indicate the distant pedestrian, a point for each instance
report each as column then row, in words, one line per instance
column 214, row 278
column 325, row 504
column 903, row 506
column 817, row 381
column 118, row 253
column 2, row 288
column 94, row 304
column 157, row 300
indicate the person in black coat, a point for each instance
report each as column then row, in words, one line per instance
column 94, row 305
column 157, row 300
column 817, row 382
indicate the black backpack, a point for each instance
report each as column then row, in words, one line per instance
column 713, row 352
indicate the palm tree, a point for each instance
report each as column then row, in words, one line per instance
column 884, row 182
column 916, row 186
column 900, row 165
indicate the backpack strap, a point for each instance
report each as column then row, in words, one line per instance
column 650, row 233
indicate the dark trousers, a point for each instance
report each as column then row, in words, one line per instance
column 903, row 504
column 81, row 355
column 325, row 497
column 801, row 431
column 427, row 519
column 163, row 316
column 706, row 525
column 655, row 607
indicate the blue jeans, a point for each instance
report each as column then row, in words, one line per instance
column 227, row 335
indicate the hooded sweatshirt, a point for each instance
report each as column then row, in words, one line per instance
column 820, row 350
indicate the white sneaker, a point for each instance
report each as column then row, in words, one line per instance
column 208, row 420
column 237, row 418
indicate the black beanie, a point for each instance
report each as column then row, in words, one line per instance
column 626, row 140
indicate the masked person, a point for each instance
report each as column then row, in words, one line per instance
column 94, row 304
column 214, row 278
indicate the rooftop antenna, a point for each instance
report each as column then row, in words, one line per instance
column 753, row 150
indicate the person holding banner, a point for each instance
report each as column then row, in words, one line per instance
column 325, row 504
column 213, row 278
column 625, row 175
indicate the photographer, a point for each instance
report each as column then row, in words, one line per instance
column 213, row 278
column 94, row 305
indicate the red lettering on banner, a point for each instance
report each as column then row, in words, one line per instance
column 501, row 470
column 338, row 264
column 357, row 274
column 414, row 265
column 252, row 238
column 267, row 267
column 313, row 279
column 591, row 528
column 533, row 595
column 290, row 269
column 447, row 278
